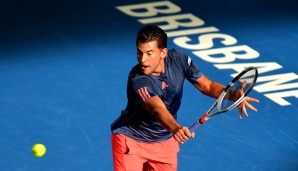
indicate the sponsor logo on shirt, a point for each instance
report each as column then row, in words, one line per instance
column 189, row 60
column 143, row 92
column 164, row 85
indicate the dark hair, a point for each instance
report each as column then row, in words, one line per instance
column 151, row 33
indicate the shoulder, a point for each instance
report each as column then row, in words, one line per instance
column 137, row 79
column 136, row 73
column 178, row 57
column 175, row 53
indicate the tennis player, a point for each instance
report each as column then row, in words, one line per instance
column 146, row 135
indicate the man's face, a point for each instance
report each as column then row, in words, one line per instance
column 151, row 58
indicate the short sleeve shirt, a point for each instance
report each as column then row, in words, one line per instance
column 135, row 121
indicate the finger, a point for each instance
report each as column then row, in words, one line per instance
column 252, row 99
column 187, row 132
column 182, row 136
column 244, row 111
column 240, row 108
column 251, row 107
column 243, row 84
column 177, row 138
column 193, row 135
column 240, row 112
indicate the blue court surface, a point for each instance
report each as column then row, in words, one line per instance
column 64, row 66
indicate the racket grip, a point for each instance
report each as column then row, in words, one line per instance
column 194, row 126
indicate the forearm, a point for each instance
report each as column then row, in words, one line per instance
column 208, row 87
column 166, row 119
column 157, row 108
column 215, row 89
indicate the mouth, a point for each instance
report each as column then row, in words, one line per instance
column 144, row 67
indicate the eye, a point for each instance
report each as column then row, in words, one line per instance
column 150, row 53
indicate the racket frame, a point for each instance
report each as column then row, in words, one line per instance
column 218, row 101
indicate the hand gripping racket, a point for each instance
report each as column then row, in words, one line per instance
column 234, row 93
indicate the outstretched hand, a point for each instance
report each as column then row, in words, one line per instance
column 246, row 102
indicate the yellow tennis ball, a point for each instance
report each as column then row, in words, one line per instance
column 38, row 150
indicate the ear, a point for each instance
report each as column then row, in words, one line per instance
column 164, row 53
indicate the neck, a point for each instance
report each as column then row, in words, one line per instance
column 159, row 70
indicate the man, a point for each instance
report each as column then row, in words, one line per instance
column 146, row 136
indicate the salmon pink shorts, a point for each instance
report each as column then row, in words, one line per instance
column 132, row 155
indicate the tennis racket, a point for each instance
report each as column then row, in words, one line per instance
column 234, row 93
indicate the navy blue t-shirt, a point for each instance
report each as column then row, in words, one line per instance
column 135, row 121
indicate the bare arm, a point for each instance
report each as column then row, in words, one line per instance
column 208, row 87
column 158, row 109
column 214, row 89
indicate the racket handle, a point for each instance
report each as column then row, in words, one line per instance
column 194, row 126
